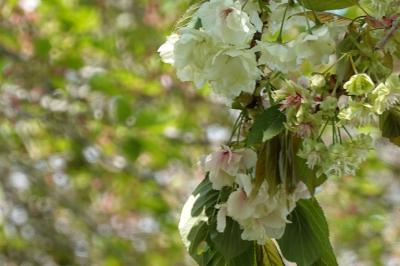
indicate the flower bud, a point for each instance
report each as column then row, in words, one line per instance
column 317, row 81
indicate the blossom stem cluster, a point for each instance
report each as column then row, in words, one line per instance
column 312, row 92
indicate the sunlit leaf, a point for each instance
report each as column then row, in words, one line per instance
column 271, row 256
column 318, row 5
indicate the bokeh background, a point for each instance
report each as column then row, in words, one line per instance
column 99, row 143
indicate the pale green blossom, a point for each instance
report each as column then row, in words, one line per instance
column 313, row 151
column 359, row 84
column 315, row 48
column 345, row 159
column 337, row 159
column 380, row 8
column 278, row 57
column 292, row 23
column 387, row 94
column 359, row 113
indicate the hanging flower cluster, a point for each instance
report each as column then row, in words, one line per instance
column 312, row 87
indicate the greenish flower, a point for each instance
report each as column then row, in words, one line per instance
column 359, row 84
column 386, row 95
column 358, row 113
column 345, row 159
column 313, row 151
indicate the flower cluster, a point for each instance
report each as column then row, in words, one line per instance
column 217, row 49
column 313, row 48
column 311, row 109
column 311, row 88
column 262, row 215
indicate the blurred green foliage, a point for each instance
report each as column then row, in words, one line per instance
column 96, row 135
column 99, row 143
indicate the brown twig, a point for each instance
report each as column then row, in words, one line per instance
column 388, row 35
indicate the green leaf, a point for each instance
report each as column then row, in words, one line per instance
column 343, row 67
column 194, row 230
column 318, row 5
column 207, row 198
column 197, row 236
column 211, row 258
column 120, row 109
column 242, row 101
column 267, row 125
column 42, row 48
column 104, row 82
column 271, row 256
column 247, row 258
column 327, row 259
column 72, row 60
column 306, row 175
column 306, row 239
column 132, row 148
column 229, row 243
column 390, row 125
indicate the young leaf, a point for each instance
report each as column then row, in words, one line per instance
column 306, row 239
column 318, row 5
column 266, row 126
column 390, row 125
column 188, row 16
column 229, row 243
column 267, row 166
column 271, row 256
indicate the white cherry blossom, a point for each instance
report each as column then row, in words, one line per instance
column 226, row 21
column 233, row 71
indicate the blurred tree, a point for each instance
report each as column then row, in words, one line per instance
column 95, row 137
